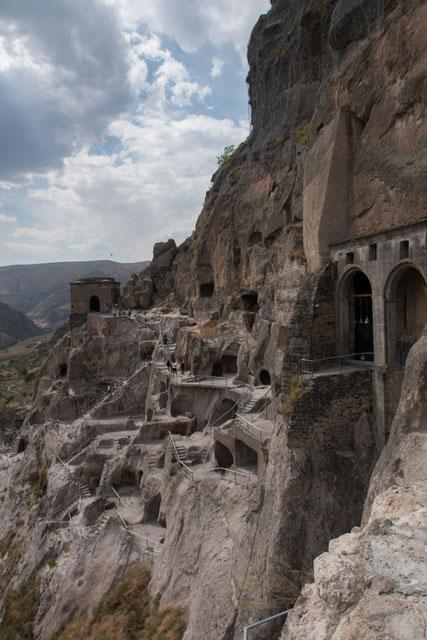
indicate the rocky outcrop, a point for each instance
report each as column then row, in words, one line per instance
column 156, row 282
column 373, row 581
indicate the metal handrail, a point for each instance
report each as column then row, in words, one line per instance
column 362, row 356
column 65, row 506
column 147, row 540
column 78, row 450
column 233, row 471
column 249, row 627
column 249, row 427
column 119, row 515
column 115, row 493
column 181, row 465
column 236, row 404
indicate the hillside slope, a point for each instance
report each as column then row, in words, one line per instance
column 42, row 290
column 14, row 326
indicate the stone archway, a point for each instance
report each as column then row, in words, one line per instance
column 95, row 305
column 406, row 311
column 356, row 315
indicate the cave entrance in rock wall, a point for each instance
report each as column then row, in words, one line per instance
column 152, row 510
column 223, row 456
column 95, row 305
column 246, row 457
column 62, row 372
column 229, row 364
column 264, row 377
column 207, row 289
column 22, row 445
column 217, row 369
column 126, row 480
column 249, row 301
column 181, row 405
column 406, row 297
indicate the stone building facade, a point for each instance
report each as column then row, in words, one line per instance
column 92, row 295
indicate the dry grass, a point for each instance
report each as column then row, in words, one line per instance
column 20, row 608
column 127, row 613
column 287, row 402
column 207, row 330
column 302, row 133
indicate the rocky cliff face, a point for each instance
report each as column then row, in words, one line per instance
column 337, row 141
column 373, row 581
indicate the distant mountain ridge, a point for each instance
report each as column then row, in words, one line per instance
column 14, row 326
column 42, row 290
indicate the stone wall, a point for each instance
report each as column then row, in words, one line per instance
column 330, row 408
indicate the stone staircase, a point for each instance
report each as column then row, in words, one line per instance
column 75, row 457
column 153, row 461
column 182, row 454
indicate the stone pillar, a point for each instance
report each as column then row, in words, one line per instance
column 379, row 330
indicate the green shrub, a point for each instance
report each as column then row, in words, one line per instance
column 225, row 157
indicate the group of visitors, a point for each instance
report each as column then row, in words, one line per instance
column 118, row 312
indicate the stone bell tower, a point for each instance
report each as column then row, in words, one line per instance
column 92, row 295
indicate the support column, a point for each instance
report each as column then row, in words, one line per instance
column 380, row 359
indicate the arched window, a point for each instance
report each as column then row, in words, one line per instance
column 95, row 305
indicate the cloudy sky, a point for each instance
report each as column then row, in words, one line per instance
column 112, row 113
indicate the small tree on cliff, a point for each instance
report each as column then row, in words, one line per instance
column 225, row 156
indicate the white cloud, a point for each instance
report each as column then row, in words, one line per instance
column 193, row 24
column 5, row 218
column 96, row 102
column 151, row 190
column 217, row 66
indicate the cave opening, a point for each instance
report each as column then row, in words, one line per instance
column 223, row 456
column 264, row 377
column 250, row 301
column 207, row 289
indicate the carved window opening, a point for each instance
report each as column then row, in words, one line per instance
column 207, row 289
column 404, row 249
column 264, row 377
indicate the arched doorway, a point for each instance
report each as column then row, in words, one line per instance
column 356, row 316
column 95, row 305
column 406, row 297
